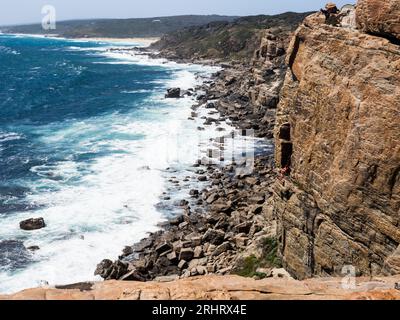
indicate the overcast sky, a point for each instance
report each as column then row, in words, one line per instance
column 27, row 11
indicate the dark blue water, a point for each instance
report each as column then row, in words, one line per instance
column 78, row 123
column 43, row 83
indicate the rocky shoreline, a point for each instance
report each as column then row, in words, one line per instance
column 227, row 227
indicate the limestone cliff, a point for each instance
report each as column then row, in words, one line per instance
column 338, row 136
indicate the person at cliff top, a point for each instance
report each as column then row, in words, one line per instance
column 331, row 13
column 331, row 8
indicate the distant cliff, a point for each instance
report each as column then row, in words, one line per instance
column 119, row 28
column 236, row 40
column 338, row 134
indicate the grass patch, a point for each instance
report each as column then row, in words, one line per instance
column 249, row 265
column 271, row 250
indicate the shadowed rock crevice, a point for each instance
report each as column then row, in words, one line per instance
column 394, row 180
column 389, row 37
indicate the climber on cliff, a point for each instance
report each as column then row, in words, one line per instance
column 284, row 172
column 331, row 13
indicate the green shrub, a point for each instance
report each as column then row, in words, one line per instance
column 249, row 265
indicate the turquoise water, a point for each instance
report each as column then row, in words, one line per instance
column 83, row 143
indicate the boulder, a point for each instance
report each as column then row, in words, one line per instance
column 241, row 241
column 243, row 227
column 186, row 254
column 221, row 206
column 32, row 224
column 221, row 249
column 196, row 241
column 175, row 221
column 212, row 198
column 33, row 248
column 183, row 225
column 379, row 17
column 173, row 257
column 173, row 93
column 210, row 105
column 143, row 244
column 280, row 273
column 163, row 247
column 104, row 268
column 182, row 203
column 215, row 237
column 132, row 275
column 230, row 81
column 127, row 251
column 198, row 252
column 182, row 264
column 201, row 270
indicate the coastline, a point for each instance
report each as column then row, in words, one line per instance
column 143, row 42
column 224, row 222
column 284, row 199
column 207, row 202
column 124, row 175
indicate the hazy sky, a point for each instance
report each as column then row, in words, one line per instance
column 27, row 11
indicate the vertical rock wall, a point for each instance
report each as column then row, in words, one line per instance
column 338, row 134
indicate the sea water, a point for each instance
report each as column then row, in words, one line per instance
column 88, row 142
column 84, row 135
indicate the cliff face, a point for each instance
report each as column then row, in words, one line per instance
column 338, row 130
column 379, row 17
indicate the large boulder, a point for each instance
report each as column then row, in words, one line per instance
column 379, row 17
column 173, row 93
column 215, row 237
column 32, row 224
column 109, row 270
column 104, row 268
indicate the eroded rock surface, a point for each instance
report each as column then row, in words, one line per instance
column 219, row 288
column 379, row 17
column 338, row 141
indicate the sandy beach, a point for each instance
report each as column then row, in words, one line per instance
column 145, row 42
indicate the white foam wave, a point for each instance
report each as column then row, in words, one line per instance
column 9, row 136
column 139, row 58
column 137, row 91
column 7, row 50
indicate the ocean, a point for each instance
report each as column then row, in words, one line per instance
column 89, row 143
column 85, row 139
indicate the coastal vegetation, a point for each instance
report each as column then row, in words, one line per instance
column 119, row 28
column 252, row 266
column 235, row 40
